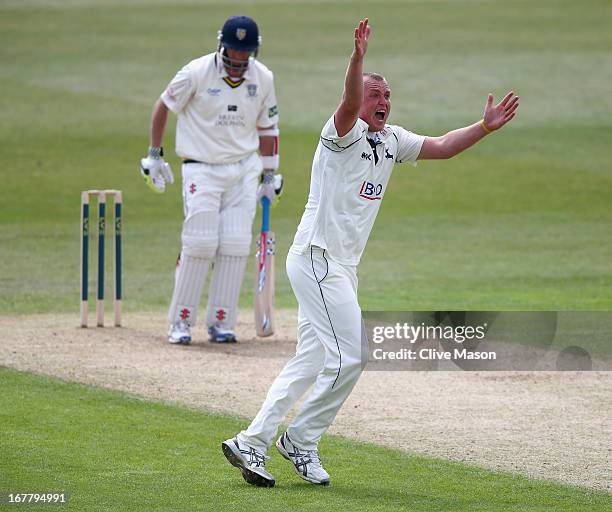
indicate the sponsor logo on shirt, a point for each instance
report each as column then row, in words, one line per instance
column 273, row 111
column 366, row 156
column 387, row 154
column 213, row 92
column 252, row 90
column 230, row 120
column 232, row 108
column 371, row 191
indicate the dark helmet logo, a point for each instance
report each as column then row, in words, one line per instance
column 240, row 33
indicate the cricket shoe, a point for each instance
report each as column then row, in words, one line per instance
column 219, row 335
column 251, row 462
column 306, row 463
column 179, row 333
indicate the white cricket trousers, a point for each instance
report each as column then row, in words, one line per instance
column 328, row 355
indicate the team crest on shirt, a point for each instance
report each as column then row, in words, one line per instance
column 252, row 90
column 371, row 191
column 240, row 33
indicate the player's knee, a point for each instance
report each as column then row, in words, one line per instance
column 235, row 245
column 349, row 358
column 235, row 233
column 200, row 235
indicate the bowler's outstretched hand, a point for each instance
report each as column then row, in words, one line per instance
column 362, row 34
column 497, row 116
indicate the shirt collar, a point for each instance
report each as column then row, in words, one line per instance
column 379, row 137
column 375, row 137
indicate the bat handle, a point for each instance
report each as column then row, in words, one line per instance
column 265, row 214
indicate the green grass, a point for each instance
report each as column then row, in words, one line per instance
column 111, row 451
column 522, row 221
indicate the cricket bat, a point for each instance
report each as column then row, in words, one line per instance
column 264, row 275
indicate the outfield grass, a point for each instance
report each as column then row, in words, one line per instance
column 522, row 221
column 111, row 451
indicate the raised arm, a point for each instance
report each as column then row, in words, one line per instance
column 457, row 141
column 348, row 110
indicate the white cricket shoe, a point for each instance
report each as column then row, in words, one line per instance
column 219, row 335
column 250, row 461
column 179, row 332
column 306, row 463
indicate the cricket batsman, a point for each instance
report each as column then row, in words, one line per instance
column 227, row 136
column 350, row 172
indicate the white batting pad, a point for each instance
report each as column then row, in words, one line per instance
column 200, row 235
column 190, row 276
column 235, row 232
column 228, row 273
column 200, row 240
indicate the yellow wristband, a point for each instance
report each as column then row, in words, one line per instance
column 484, row 126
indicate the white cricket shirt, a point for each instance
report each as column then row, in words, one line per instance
column 347, row 185
column 218, row 116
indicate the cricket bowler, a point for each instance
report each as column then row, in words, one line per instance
column 350, row 171
column 227, row 137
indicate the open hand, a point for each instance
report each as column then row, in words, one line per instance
column 497, row 116
column 362, row 34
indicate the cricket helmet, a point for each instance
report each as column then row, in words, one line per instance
column 238, row 33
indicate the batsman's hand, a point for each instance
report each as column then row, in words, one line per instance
column 156, row 172
column 497, row 116
column 271, row 186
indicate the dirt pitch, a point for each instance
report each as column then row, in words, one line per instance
column 552, row 425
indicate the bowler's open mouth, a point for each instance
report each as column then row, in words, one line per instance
column 380, row 115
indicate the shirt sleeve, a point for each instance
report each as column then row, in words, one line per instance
column 269, row 110
column 332, row 141
column 180, row 90
column 408, row 145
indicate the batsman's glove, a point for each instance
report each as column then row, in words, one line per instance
column 271, row 186
column 155, row 170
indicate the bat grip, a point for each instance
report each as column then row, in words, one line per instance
column 265, row 214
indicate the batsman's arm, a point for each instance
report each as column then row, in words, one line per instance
column 159, row 118
column 352, row 97
column 268, row 146
column 155, row 171
column 267, row 127
column 457, row 141
column 271, row 183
